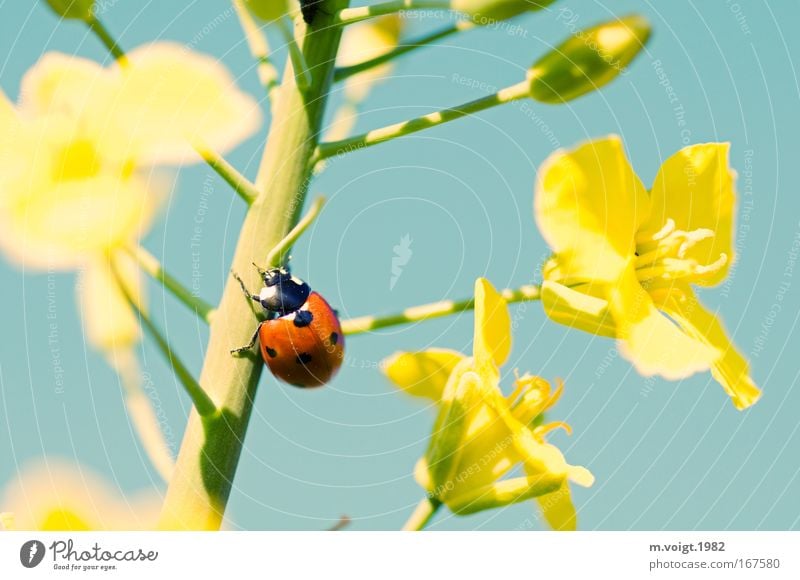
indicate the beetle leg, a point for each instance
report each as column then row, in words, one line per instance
column 244, row 288
column 251, row 344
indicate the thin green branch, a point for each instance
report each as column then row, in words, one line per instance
column 434, row 310
column 153, row 268
column 422, row 515
column 240, row 184
column 299, row 64
column 353, row 15
column 105, row 37
column 345, row 72
column 259, row 49
column 202, row 402
column 506, row 95
column 278, row 254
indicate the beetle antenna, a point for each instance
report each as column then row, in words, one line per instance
column 261, row 271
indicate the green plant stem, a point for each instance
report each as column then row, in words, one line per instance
column 503, row 96
column 277, row 255
column 259, row 49
column 105, row 37
column 433, row 310
column 209, row 455
column 422, row 515
column 153, row 268
column 299, row 63
column 202, row 402
column 240, row 184
column 353, row 15
column 345, row 72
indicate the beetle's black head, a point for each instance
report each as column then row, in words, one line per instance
column 282, row 293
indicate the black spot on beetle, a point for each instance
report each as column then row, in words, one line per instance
column 303, row 358
column 334, row 338
column 271, row 352
column 303, row 318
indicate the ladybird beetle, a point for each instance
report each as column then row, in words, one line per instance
column 303, row 344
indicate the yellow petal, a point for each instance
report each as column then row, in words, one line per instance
column 110, row 324
column 558, row 509
column 502, row 493
column 489, row 452
column 423, row 476
column 538, row 457
column 170, row 97
column 588, row 205
column 365, row 41
column 13, row 145
column 8, row 117
column 577, row 310
column 422, row 374
column 61, row 519
column 6, row 521
column 57, row 225
column 54, row 494
column 649, row 340
column 492, row 337
column 695, row 188
column 64, row 84
column 729, row 367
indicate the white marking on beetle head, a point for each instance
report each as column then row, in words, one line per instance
column 267, row 293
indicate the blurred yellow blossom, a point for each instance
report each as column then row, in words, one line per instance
column 621, row 255
column 361, row 42
column 6, row 521
column 479, row 435
column 76, row 159
column 53, row 494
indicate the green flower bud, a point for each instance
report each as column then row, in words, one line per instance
column 588, row 60
column 268, row 10
column 73, row 9
column 485, row 12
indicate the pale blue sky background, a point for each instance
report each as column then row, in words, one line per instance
column 666, row 455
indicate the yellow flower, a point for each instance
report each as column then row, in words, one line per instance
column 480, row 435
column 361, row 42
column 622, row 257
column 76, row 158
column 365, row 41
column 55, row 495
column 6, row 521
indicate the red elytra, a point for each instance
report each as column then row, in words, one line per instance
column 307, row 355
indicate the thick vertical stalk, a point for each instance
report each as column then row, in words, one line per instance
column 206, row 466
